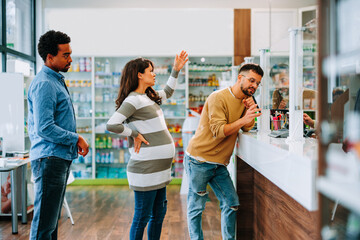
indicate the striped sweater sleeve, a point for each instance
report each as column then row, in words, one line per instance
column 169, row 89
column 115, row 123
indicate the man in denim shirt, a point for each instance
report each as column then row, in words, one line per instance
column 52, row 131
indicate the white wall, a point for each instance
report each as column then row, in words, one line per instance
column 178, row 4
column 155, row 32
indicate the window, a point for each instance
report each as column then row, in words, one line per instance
column 1, row 11
column 1, row 62
column 18, row 64
column 19, row 25
column 17, row 35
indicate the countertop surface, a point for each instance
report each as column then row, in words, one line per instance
column 292, row 166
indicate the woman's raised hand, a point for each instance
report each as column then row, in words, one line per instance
column 180, row 60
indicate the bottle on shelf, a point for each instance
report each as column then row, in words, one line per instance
column 107, row 66
column 82, row 66
column 88, row 64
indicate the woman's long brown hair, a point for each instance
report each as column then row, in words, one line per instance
column 130, row 81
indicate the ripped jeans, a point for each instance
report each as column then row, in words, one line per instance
column 217, row 176
column 149, row 205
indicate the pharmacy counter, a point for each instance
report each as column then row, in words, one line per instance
column 276, row 188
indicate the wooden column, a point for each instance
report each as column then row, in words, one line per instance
column 242, row 35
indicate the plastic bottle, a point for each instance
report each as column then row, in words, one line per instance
column 98, row 157
column 97, row 142
column 107, row 66
column 82, row 65
column 107, row 158
column 121, row 156
column 126, row 156
column 88, row 64
column 88, row 158
column 104, row 142
column 111, row 157
column 125, row 143
column 76, row 67
column 109, row 142
column 101, row 143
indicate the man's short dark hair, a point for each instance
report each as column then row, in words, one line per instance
column 279, row 68
column 48, row 43
column 253, row 67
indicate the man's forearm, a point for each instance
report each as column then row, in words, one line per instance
column 234, row 127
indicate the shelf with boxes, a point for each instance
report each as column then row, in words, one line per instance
column 205, row 75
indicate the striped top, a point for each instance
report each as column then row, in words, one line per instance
column 150, row 169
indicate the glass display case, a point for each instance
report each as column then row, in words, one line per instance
column 339, row 162
column 300, row 66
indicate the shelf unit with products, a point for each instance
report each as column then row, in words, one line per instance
column 205, row 76
column 94, row 83
column 79, row 80
column 174, row 108
column 111, row 153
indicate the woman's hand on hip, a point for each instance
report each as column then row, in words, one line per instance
column 137, row 142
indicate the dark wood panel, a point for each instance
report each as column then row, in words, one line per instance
column 278, row 216
column 267, row 212
column 245, row 190
column 242, row 35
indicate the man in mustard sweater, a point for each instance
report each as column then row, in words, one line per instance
column 225, row 112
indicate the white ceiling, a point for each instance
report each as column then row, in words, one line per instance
column 178, row 3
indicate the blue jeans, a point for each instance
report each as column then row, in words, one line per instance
column 149, row 205
column 50, row 176
column 217, row 176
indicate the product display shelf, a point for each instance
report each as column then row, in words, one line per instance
column 347, row 194
column 111, row 162
column 174, row 108
column 27, row 81
column 205, row 75
column 310, row 63
column 94, row 84
column 79, row 81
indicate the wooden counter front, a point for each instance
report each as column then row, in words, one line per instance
column 267, row 212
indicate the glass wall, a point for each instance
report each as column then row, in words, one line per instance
column 339, row 164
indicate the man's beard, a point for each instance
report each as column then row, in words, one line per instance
column 246, row 91
column 65, row 69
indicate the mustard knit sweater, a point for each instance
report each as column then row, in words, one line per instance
column 209, row 143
